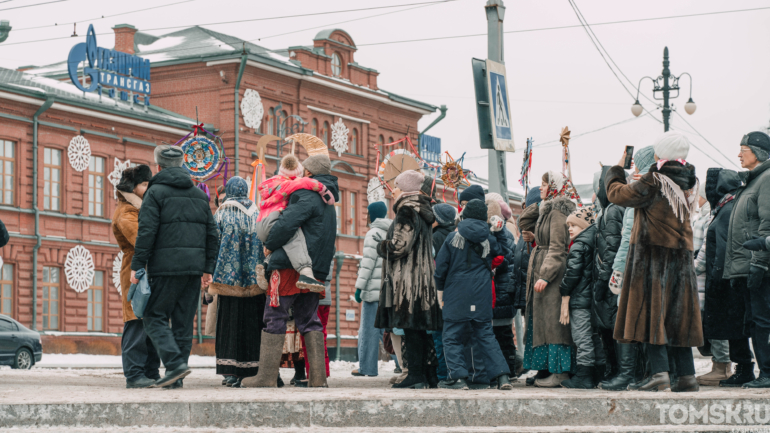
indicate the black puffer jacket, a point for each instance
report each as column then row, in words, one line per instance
column 609, row 227
column 177, row 232
column 580, row 263
column 318, row 221
column 519, row 282
column 439, row 236
column 503, row 282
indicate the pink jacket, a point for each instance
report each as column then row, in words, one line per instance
column 275, row 193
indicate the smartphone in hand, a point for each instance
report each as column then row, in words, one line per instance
column 629, row 157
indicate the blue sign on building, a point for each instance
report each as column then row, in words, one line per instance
column 430, row 148
column 108, row 68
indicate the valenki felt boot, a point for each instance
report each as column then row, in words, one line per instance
column 552, row 381
column 314, row 342
column 270, row 352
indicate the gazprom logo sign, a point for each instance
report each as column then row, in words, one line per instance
column 106, row 67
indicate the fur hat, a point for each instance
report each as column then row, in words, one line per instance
column 290, row 167
column 759, row 143
column 445, row 214
column 475, row 209
column 377, row 210
column 318, row 164
column 168, row 156
column 133, row 176
column 582, row 217
column 410, row 181
column 672, row 145
column 472, row 192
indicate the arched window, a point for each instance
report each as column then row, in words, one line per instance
column 390, row 139
column 284, row 115
column 354, row 142
column 314, row 127
column 380, row 140
column 325, row 133
column 270, row 120
column 336, row 65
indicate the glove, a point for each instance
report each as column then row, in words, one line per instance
column 756, row 274
column 616, row 282
column 756, row 244
column 358, row 295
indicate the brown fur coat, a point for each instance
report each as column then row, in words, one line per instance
column 548, row 261
column 659, row 298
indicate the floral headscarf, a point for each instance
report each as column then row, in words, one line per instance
column 560, row 186
column 238, row 190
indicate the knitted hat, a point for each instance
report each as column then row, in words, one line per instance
column 318, row 164
column 582, row 217
column 644, row 158
column 759, row 143
column 168, row 156
column 133, row 176
column 475, row 209
column 533, row 196
column 506, row 210
column 472, row 192
column 445, row 214
column 410, row 181
column 427, row 187
column 672, row 145
column 377, row 210
column 493, row 196
column 290, row 167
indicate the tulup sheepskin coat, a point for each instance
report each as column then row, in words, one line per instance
column 659, row 298
column 548, row 261
column 408, row 298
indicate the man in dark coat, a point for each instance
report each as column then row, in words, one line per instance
column 318, row 222
column 464, row 280
column 178, row 243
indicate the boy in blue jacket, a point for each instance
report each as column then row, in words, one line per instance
column 464, row 282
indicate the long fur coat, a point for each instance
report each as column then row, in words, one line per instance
column 548, row 261
column 659, row 298
column 408, row 298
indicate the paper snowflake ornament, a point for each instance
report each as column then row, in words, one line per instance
column 79, row 269
column 79, row 153
column 251, row 107
column 117, row 264
column 117, row 173
column 340, row 137
column 375, row 191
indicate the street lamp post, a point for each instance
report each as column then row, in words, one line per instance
column 665, row 84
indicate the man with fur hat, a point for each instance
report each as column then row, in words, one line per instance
column 308, row 211
column 178, row 243
column 140, row 359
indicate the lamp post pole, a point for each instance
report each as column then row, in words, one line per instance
column 496, row 158
column 665, row 84
column 666, row 89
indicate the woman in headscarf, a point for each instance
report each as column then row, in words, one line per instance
column 548, row 346
column 241, row 303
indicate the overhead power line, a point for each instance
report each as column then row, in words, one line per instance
column 548, row 144
column 36, row 4
column 706, row 140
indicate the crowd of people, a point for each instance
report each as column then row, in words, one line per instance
column 614, row 294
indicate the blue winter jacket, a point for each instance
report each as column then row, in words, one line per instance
column 464, row 275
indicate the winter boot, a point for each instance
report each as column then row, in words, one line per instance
column 656, row 382
column 415, row 360
column 307, row 281
column 541, row 374
column 627, row 355
column 504, row 382
column 231, row 380
column 261, row 278
column 431, row 374
column 175, row 385
column 314, row 343
column 584, row 379
column 453, row 384
column 142, row 382
column 686, row 384
column 744, row 373
column 518, row 366
column 552, row 381
column 399, row 378
column 719, row 371
column 600, row 373
column 299, row 372
column 270, row 352
column 172, row 376
column 761, row 382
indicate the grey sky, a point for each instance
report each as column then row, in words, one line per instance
column 556, row 78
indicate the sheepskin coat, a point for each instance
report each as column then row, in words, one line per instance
column 408, row 298
column 125, row 226
column 548, row 261
column 659, row 297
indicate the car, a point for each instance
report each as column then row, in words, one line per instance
column 20, row 347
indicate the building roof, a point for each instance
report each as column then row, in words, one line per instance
column 41, row 87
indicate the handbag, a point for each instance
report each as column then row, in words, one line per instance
column 139, row 293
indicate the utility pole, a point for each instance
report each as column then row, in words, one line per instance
column 496, row 159
column 666, row 89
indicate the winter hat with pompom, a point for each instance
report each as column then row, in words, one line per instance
column 290, row 167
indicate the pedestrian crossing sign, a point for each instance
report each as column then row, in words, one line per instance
column 500, row 111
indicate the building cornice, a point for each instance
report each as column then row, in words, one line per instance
column 332, row 113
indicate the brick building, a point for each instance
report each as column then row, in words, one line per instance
column 238, row 89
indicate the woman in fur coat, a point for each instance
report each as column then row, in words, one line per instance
column 548, row 345
column 659, row 296
column 408, row 299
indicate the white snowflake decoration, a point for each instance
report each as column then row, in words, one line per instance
column 79, row 153
column 375, row 191
column 340, row 137
column 79, row 269
column 251, row 107
column 117, row 264
column 116, row 174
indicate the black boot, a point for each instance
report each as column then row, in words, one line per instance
column 744, row 373
column 299, row 372
column 431, row 375
column 627, row 355
column 414, row 355
column 541, row 374
column 504, row 383
column 600, row 373
column 584, row 379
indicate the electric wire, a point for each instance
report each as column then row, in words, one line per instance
column 706, row 140
column 36, row 4
column 548, row 144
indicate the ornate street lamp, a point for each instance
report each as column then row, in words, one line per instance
column 665, row 83
column 5, row 30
